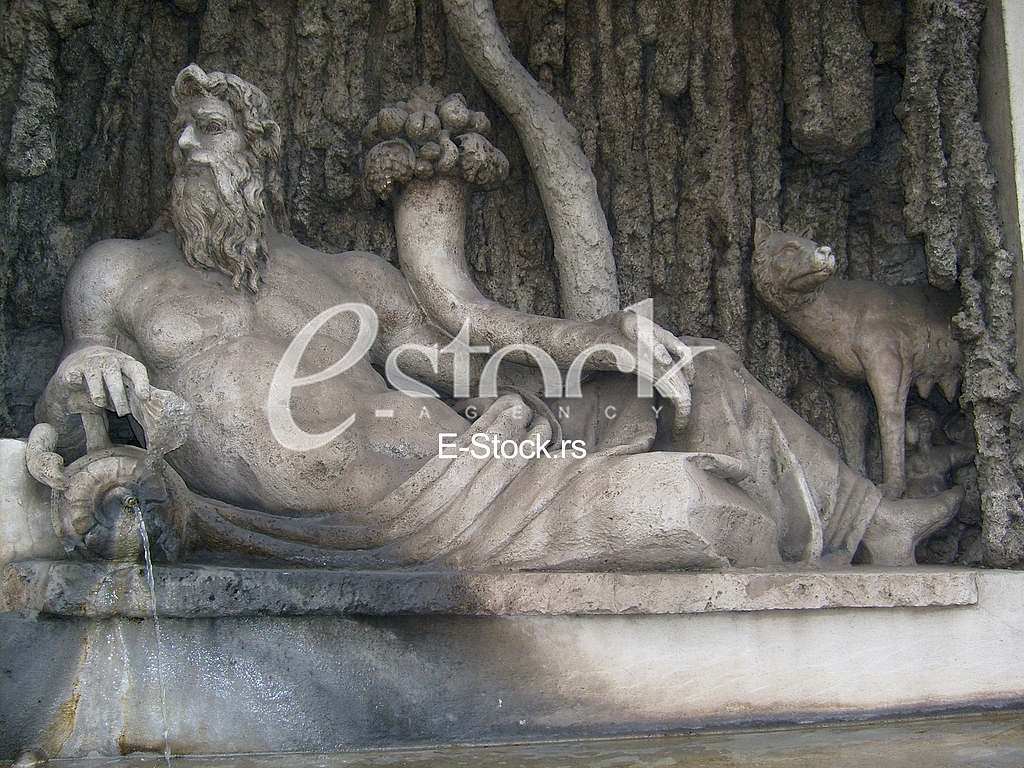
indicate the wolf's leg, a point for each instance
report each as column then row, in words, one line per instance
column 889, row 380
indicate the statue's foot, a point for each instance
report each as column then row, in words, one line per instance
column 898, row 525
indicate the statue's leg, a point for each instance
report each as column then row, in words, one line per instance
column 793, row 472
column 646, row 511
column 889, row 378
column 735, row 415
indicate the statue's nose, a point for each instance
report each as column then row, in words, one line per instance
column 187, row 140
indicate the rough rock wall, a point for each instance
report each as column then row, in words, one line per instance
column 951, row 205
column 698, row 116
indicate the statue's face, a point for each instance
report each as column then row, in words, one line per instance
column 208, row 134
column 217, row 192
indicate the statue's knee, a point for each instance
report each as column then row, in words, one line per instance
column 709, row 353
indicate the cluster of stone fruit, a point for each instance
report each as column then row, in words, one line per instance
column 429, row 136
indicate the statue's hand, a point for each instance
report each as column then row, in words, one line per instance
column 102, row 378
column 97, row 379
column 671, row 362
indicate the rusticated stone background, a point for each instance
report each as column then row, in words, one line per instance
column 855, row 116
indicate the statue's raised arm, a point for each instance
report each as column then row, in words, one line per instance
column 428, row 154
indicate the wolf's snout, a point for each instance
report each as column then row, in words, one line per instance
column 824, row 258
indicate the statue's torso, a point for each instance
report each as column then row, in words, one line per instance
column 219, row 349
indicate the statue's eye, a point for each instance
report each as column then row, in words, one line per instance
column 213, row 126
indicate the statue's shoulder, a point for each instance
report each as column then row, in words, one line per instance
column 375, row 276
column 116, row 255
column 343, row 259
column 108, row 268
column 364, row 260
column 347, row 266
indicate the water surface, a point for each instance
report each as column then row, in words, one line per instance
column 989, row 740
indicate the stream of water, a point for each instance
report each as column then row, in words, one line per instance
column 151, row 583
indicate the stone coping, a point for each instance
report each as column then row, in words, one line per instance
column 104, row 590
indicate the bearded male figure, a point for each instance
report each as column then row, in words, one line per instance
column 209, row 309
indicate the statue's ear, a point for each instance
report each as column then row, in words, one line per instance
column 808, row 233
column 762, row 231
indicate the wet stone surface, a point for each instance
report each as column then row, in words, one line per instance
column 990, row 740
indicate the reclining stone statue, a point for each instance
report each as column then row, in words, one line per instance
column 253, row 364
column 892, row 337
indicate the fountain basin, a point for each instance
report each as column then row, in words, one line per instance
column 285, row 660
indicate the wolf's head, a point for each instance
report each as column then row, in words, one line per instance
column 788, row 269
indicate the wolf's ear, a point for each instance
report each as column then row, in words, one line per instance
column 762, row 231
column 808, row 233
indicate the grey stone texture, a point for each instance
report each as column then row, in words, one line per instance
column 950, row 202
column 697, row 115
column 324, row 683
column 95, row 590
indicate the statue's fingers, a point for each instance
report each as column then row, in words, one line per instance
column 673, row 387
column 682, row 419
column 114, row 383
column 95, row 385
column 682, row 414
column 661, row 354
column 676, row 390
column 73, row 377
column 680, row 351
column 628, row 325
column 676, row 346
column 688, row 370
column 138, row 376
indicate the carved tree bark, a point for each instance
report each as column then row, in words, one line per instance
column 583, row 246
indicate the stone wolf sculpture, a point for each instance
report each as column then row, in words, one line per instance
column 889, row 336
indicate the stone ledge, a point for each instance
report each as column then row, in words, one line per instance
column 64, row 588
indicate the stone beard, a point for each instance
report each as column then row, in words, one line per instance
column 217, row 211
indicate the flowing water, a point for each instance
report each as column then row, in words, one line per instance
column 151, row 583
